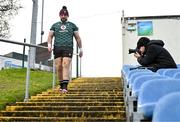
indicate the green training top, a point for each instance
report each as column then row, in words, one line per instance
column 63, row 33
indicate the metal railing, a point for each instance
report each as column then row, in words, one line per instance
column 28, row 65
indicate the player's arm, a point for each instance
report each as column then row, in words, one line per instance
column 79, row 43
column 49, row 40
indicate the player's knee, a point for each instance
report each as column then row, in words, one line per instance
column 65, row 65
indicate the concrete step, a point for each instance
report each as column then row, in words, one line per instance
column 65, row 108
column 75, row 103
column 75, row 94
column 62, row 119
column 56, row 91
column 95, row 83
column 88, row 114
column 76, row 100
column 94, row 89
column 88, row 90
column 76, row 97
column 87, row 100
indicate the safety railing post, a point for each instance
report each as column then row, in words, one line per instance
column 77, row 62
column 70, row 72
column 80, row 67
column 27, row 78
column 54, row 74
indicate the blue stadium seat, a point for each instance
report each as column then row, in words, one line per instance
column 131, row 99
column 142, row 79
column 161, row 71
column 170, row 72
column 152, row 91
column 133, row 74
column 125, row 70
column 178, row 65
column 176, row 75
column 139, row 74
column 135, row 71
column 167, row 109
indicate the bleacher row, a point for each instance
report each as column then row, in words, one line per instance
column 151, row 96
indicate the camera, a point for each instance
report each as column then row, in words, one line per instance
column 134, row 51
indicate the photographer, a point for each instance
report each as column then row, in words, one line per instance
column 152, row 54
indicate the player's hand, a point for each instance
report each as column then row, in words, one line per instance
column 50, row 48
column 80, row 52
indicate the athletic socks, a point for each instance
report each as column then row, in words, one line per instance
column 60, row 84
column 63, row 84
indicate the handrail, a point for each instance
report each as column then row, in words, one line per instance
column 20, row 43
column 28, row 64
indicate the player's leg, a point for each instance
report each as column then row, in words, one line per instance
column 66, row 62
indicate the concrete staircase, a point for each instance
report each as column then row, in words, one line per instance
column 87, row 100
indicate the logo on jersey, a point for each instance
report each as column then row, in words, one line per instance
column 63, row 27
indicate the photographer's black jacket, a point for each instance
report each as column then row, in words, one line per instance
column 156, row 56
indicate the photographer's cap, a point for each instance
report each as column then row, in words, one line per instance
column 143, row 41
column 64, row 11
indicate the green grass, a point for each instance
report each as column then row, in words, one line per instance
column 13, row 82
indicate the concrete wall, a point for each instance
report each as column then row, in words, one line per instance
column 6, row 63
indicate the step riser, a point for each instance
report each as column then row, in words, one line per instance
column 80, row 95
column 72, row 104
column 95, row 86
column 85, row 92
column 94, row 89
column 28, row 119
column 76, row 97
column 64, row 114
column 78, row 100
column 66, row 108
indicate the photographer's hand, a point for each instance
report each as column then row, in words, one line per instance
column 137, row 55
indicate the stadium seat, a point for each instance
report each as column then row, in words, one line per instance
column 136, row 73
column 139, row 74
column 161, row 71
column 167, row 108
column 131, row 98
column 176, row 75
column 126, row 69
column 170, row 72
column 152, row 91
column 129, row 75
column 142, row 79
column 178, row 65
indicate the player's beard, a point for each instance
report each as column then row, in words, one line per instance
column 63, row 19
